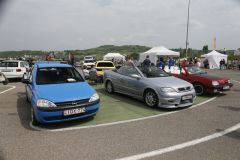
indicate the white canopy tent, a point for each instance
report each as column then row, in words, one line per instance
column 114, row 56
column 214, row 59
column 156, row 52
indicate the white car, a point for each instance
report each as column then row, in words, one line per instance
column 89, row 63
column 14, row 68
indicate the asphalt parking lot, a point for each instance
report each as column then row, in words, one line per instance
column 208, row 131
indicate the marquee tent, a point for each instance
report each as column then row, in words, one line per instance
column 114, row 57
column 214, row 59
column 156, row 52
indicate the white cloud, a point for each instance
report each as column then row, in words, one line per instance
column 79, row 24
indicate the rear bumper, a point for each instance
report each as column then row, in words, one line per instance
column 58, row 116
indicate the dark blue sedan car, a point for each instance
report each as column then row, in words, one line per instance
column 57, row 92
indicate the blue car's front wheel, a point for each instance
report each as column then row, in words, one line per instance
column 33, row 117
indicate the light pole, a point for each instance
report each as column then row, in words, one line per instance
column 187, row 27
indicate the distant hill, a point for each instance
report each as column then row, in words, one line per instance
column 99, row 52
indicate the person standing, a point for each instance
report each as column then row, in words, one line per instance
column 147, row 61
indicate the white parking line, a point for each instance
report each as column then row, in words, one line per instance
column 115, row 123
column 12, row 87
column 182, row 145
column 235, row 81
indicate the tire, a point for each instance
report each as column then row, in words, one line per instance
column 109, row 87
column 33, row 117
column 151, row 98
column 6, row 80
column 199, row 89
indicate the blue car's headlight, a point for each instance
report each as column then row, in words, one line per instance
column 167, row 89
column 45, row 103
column 94, row 97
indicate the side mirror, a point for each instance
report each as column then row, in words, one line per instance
column 26, row 79
column 135, row 76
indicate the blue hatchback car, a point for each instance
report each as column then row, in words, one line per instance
column 57, row 92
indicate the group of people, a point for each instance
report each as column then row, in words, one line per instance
column 222, row 64
column 161, row 63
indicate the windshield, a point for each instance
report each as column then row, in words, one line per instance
column 56, row 75
column 153, row 72
column 105, row 64
column 195, row 70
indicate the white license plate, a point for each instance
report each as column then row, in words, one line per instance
column 226, row 87
column 187, row 97
column 74, row 111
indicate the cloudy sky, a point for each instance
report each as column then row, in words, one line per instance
column 82, row 24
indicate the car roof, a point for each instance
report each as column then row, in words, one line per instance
column 43, row 64
column 104, row 62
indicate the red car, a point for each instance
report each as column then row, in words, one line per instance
column 202, row 82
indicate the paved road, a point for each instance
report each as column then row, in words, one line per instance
column 18, row 141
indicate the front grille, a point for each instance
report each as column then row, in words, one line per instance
column 52, row 118
column 72, row 103
column 186, row 101
column 184, row 89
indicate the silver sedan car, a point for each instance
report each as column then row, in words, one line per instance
column 151, row 84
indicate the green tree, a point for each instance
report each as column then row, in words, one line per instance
column 205, row 49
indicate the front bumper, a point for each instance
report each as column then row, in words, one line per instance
column 176, row 100
column 55, row 116
column 221, row 88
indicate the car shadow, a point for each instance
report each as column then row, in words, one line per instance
column 231, row 108
column 23, row 109
column 234, row 134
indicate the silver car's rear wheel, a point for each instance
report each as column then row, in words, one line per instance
column 109, row 87
column 151, row 98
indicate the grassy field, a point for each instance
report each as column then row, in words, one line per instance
column 117, row 107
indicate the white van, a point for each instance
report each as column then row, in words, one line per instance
column 14, row 68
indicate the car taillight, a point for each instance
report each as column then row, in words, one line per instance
column 18, row 70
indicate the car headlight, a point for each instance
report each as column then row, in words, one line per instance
column 215, row 83
column 94, row 97
column 45, row 103
column 167, row 89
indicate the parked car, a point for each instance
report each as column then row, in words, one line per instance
column 3, row 79
column 202, row 82
column 89, row 63
column 57, row 92
column 96, row 73
column 14, row 68
column 151, row 84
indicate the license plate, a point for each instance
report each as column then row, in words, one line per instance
column 226, row 87
column 74, row 111
column 187, row 97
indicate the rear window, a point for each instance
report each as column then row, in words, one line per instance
column 56, row 75
column 105, row 64
column 9, row 64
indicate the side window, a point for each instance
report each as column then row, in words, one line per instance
column 30, row 74
column 21, row 64
column 130, row 71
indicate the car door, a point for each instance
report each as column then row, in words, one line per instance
column 131, row 85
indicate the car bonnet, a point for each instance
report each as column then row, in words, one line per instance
column 65, row 92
